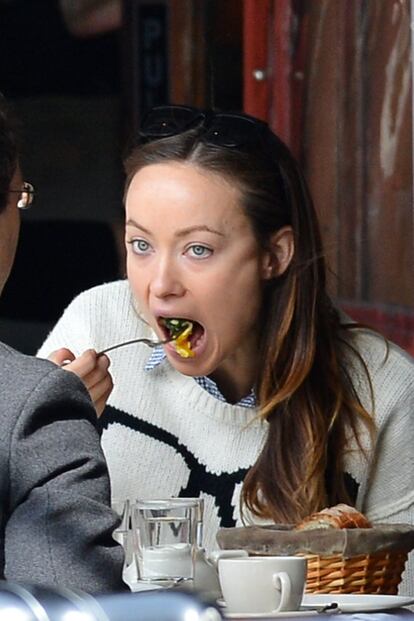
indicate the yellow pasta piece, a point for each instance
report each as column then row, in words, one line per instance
column 182, row 344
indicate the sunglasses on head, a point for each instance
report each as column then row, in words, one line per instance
column 224, row 129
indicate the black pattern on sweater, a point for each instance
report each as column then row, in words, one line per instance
column 220, row 486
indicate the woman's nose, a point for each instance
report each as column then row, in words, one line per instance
column 166, row 280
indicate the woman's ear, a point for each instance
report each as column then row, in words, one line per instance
column 277, row 259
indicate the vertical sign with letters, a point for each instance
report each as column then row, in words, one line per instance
column 152, row 65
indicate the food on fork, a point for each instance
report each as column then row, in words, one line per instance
column 180, row 330
column 339, row 516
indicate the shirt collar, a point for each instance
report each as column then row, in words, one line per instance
column 158, row 356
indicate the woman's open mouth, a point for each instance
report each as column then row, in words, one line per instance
column 184, row 334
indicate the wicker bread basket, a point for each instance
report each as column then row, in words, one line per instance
column 366, row 573
column 339, row 561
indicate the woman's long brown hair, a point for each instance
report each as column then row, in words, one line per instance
column 304, row 386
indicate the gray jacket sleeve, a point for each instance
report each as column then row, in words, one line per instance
column 56, row 516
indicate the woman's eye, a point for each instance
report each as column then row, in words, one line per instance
column 140, row 246
column 199, row 252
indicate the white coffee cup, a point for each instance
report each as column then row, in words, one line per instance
column 262, row 584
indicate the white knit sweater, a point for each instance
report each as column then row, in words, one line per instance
column 164, row 434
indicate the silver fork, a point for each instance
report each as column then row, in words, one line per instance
column 147, row 342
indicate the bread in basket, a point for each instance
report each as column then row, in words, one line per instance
column 345, row 553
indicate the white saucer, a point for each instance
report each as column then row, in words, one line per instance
column 263, row 615
column 345, row 602
column 357, row 603
column 270, row 615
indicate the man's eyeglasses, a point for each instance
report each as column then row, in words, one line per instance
column 224, row 129
column 27, row 194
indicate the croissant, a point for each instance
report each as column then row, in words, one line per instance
column 339, row 516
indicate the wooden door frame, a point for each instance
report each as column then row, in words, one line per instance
column 273, row 67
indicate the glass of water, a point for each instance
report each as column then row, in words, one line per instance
column 165, row 540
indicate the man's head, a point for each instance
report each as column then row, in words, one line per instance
column 10, row 179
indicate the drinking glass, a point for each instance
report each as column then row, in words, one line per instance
column 165, row 540
column 199, row 510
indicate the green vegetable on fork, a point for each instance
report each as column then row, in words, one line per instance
column 176, row 326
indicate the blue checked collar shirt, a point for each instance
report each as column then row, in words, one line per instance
column 158, row 357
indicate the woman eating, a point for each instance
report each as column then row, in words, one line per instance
column 265, row 400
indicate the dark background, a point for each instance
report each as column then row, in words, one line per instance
column 78, row 100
